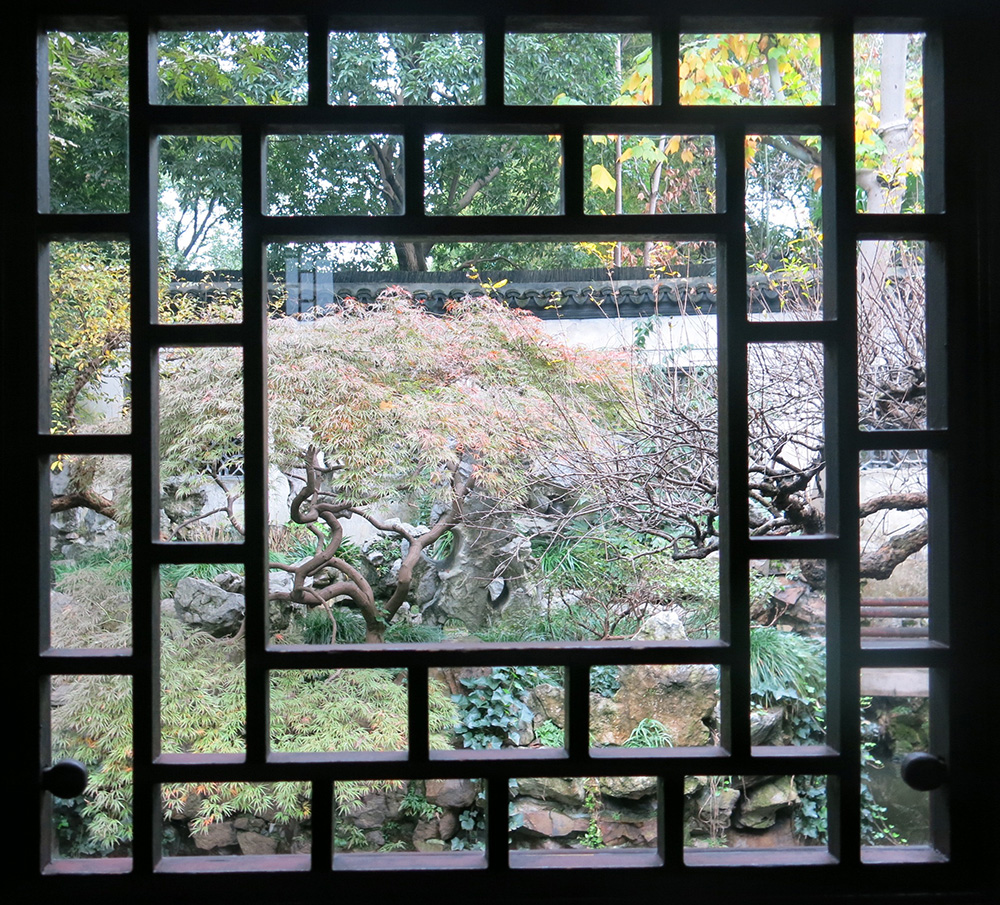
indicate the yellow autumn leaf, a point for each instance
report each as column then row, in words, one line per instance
column 674, row 145
column 687, row 156
column 601, row 178
column 626, row 155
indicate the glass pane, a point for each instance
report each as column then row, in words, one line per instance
column 892, row 335
column 786, row 438
column 788, row 652
column 499, row 706
column 341, row 710
column 92, row 723
column 895, row 721
column 90, row 550
column 232, row 67
column 644, row 706
column 88, row 122
column 202, row 674
column 589, row 813
column 894, row 544
column 889, row 122
column 200, row 228
column 492, row 174
column 614, row 523
column 545, row 68
column 334, row 174
column 753, row 812
column 784, row 227
column 201, row 444
column 426, row 816
column 406, row 68
column 230, row 819
column 649, row 174
column 89, row 335
column 750, row 69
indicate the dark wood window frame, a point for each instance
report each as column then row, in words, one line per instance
column 961, row 238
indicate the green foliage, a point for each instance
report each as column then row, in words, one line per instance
column 875, row 827
column 171, row 574
column 790, row 670
column 492, row 713
column 472, row 829
column 592, row 838
column 415, row 804
column 605, row 681
column 88, row 122
column 317, row 628
column 785, row 666
column 649, row 733
column 111, row 565
column 810, row 815
column 89, row 311
column 203, row 711
column 549, row 735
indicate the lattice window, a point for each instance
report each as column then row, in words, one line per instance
column 772, row 328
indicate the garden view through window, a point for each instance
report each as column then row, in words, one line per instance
column 521, row 389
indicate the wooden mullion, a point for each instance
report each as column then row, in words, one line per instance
column 734, row 527
column 418, row 716
column 143, row 256
column 318, row 61
column 255, row 438
column 494, row 39
column 321, row 819
column 841, row 406
column 497, row 824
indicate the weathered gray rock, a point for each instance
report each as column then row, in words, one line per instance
column 451, row 793
column 665, row 625
column 448, row 824
column 680, row 697
column 627, row 833
column 633, row 787
column 231, row 582
column 429, row 845
column 564, row 790
column 547, row 703
column 215, row 835
column 542, row 819
column 712, row 809
column 77, row 532
column 761, row 804
column 206, row 607
column 371, row 812
column 427, row 836
column 256, row 844
column 485, row 571
column 765, row 725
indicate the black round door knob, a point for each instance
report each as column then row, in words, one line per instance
column 66, row 779
column 923, row 771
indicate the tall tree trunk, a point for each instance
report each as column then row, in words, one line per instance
column 884, row 188
column 412, row 255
